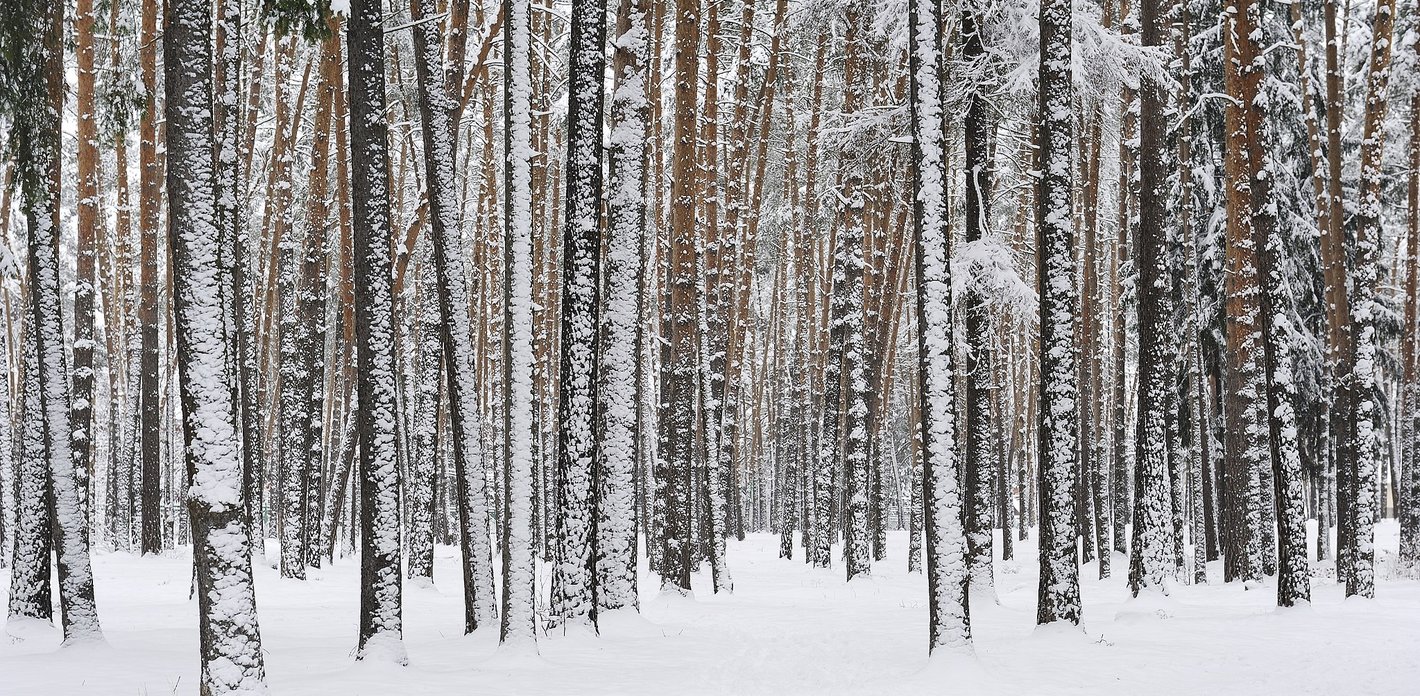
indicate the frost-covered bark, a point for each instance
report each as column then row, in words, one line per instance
column 1058, row 429
column 621, row 339
column 949, row 622
column 847, row 310
column 1152, row 563
column 30, row 595
column 1366, row 414
column 229, row 637
column 1274, row 301
column 34, row 100
column 981, row 441
column 578, row 454
column 455, row 327
column 381, row 616
column 518, row 617
column 423, row 465
column 1410, row 355
column 294, row 442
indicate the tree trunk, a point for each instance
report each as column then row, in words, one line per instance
column 230, row 639
column 518, row 625
column 949, row 619
column 381, row 620
column 1151, row 565
column 1057, row 430
column 622, row 343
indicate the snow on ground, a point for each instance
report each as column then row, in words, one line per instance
column 787, row 629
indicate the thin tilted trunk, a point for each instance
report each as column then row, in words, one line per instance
column 1410, row 355
column 1057, row 430
column 518, row 625
column 1151, row 564
column 1126, row 230
column 1335, row 273
column 230, row 640
column 381, row 616
column 949, row 619
column 455, row 329
column 621, row 340
column 1365, row 416
column 149, row 226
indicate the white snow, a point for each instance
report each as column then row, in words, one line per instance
column 787, row 629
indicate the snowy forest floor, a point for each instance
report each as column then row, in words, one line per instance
column 786, row 629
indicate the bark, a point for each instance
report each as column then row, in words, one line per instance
column 980, row 431
column 455, row 330
column 230, row 642
column 1365, row 415
column 676, row 463
column 579, row 458
column 517, row 365
column 1151, row 565
column 149, row 206
column 949, row 619
column 1057, row 430
column 381, row 620
column 621, row 338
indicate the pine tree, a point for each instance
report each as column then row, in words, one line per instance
column 149, row 225
column 622, row 341
column 30, row 593
column 1057, row 429
column 381, row 615
column 518, row 616
column 456, row 335
column 579, row 457
column 33, row 83
column 1151, row 563
column 230, row 639
column 977, row 363
column 949, row 619
column 1365, row 413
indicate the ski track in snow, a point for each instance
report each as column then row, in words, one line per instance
column 787, row 629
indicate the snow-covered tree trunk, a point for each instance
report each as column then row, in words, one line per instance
column 36, row 107
column 977, row 361
column 949, row 621
column 455, row 327
column 293, row 443
column 518, row 465
column 230, row 220
column 621, row 341
column 578, row 455
column 1366, row 414
column 1151, row 563
column 88, row 227
column 423, row 466
column 1057, row 431
column 232, row 660
column 315, row 268
column 30, row 593
column 1293, row 572
column 381, row 609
